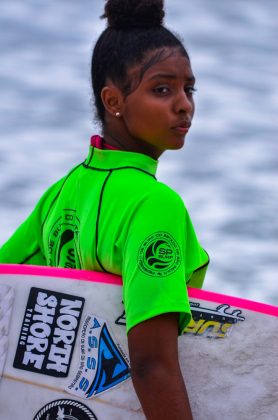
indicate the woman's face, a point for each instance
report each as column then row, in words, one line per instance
column 159, row 111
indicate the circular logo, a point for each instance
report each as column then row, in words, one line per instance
column 65, row 410
column 159, row 255
column 63, row 241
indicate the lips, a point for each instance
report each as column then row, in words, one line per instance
column 182, row 127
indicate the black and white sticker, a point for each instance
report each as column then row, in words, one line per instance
column 103, row 364
column 212, row 322
column 48, row 332
column 65, row 409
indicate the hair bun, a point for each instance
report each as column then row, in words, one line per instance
column 127, row 14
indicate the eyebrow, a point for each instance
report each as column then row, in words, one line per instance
column 171, row 76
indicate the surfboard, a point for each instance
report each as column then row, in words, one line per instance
column 64, row 355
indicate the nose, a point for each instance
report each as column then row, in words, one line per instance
column 184, row 103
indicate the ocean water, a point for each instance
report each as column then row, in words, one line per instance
column 227, row 172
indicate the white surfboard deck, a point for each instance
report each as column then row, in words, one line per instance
column 60, row 358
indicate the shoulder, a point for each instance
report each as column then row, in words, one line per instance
column 144, row 187
column 163, row 193
column 163, row 198
column 161, row 203
column 53, row 192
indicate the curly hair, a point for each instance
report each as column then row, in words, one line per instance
column 134, row 29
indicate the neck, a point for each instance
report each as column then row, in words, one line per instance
column 130, row 144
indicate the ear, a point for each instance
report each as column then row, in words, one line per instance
column 112, row 99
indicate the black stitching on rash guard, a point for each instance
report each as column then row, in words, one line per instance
column 97, row 221
column 30, row 256
column 118, row 169
column 57, row 195
column 101, row 196
column 86, row 166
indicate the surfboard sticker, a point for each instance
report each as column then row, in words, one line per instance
column 103, row 364
column 121, row 320
column 65, row 409
column 206, row 322
column 213, row 323
column 48, row 333
column 6, row 306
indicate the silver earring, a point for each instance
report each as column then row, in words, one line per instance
column 118, row 114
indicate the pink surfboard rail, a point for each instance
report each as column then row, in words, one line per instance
column 99, row 277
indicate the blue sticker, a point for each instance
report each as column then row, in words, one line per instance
column 103, row 365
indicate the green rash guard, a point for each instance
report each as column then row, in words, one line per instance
column 111, row 214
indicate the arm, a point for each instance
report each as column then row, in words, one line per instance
column 23, row 246
column 160, row 250
column 155, row 369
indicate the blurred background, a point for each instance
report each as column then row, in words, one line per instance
column 227, row 173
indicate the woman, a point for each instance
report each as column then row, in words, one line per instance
column 111, row 214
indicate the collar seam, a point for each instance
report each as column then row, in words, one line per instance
column 87, row 166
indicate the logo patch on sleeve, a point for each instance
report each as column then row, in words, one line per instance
column 103, row 364
column 159, row 255
column 63, row 241
column 48, row 332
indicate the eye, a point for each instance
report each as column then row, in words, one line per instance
column 190, row 90
column 161, row 90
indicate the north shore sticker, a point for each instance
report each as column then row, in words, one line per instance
column 48, row 333
column 159, row 255
column 65, row 409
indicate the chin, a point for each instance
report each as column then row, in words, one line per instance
column 176, row 145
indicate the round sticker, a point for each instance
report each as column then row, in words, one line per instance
column 65, row 409
column 159, row 255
